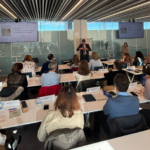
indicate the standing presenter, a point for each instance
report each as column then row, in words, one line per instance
column 84, row 50
column 125, row 49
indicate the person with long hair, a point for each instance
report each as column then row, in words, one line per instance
column 83, row 72
column 29, row 65
column 95, row 61
column 125, row 48
column 138, row 58
column 127, row 59
column 66, row 114
column 75, row 61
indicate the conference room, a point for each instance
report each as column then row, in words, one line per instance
column 74, row 74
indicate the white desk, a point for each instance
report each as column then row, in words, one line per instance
column 107, row 63
column 36, row 114
column 136, row 141
column 63, row 67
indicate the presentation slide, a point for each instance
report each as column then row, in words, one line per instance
column 18, row 32
column 129, row 30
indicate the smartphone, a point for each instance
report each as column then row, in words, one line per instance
column 24, row 104
column 133, row 94
column 46, row 107
column 112, row 93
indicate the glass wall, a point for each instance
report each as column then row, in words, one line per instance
column 101, row 32
column 54, row 37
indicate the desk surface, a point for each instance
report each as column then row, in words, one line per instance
column 108, row 62
column 38, row 69
column 132, row 72
column 63, row 67
column 36, row 114
column 136, row 141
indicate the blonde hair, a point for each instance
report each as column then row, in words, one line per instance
column 27, row 58
column 95, row 56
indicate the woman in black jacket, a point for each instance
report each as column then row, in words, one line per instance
column 16, row 79
column 138, row 58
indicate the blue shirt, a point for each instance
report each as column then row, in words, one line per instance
column 121, row 105
column 50, row 78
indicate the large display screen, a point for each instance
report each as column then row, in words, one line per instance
column 130, row 30
column 18, row 32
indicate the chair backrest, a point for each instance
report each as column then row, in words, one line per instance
column 97, row 68
column 49, row 90
column 62, row 139
column 74, row 69
column 36, row 60
column 28, row 74
column 83, row 85
column 121, row 126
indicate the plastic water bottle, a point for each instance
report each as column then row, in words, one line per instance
column 38, row 102
column 143, row 80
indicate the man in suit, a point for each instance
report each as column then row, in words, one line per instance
column 84, row 50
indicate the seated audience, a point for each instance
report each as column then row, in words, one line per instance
column 83, row 72
column 45, row 65
column 138, row 58
column 146, row 67
column 95, row 61
column 111, row 74
column 75, row 62
column 16, row 79
column 66, row 114
column 50, row 78
column 121, row 105
column 29, row 65
column 127, row 59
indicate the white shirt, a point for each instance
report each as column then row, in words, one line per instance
column 94, row 63
column 29, row 66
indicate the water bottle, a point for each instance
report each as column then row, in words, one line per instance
column 38, row 102
column 143, row 80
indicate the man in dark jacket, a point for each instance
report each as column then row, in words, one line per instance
column 84, row 50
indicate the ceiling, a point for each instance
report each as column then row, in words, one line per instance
column 91, row 10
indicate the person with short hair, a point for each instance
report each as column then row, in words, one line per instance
column 75, row 61
column 29, row 65
column 122, row 105
column 95, row 61
column 67, row 114
column 16, row 79
column 112, row 73
column 83, row 72
column 84, row 50
column 51, row 78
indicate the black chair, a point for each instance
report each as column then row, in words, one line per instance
column 28, row 74
column 121, row 126
column 36, row 60
column 97, row 68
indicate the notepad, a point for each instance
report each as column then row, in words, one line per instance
column 89, row 98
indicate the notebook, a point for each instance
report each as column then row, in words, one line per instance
column 89, row 98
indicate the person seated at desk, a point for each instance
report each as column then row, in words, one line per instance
column 16, row 79
column 127, row 60
column 66, row 114
column 138, row 58
column 121, row 105
column 146, row 67
column 83, row 72
column 45, row 65
column 50, row 78
column 75, row 61
column 111, row 74
column 29, row 65
column 95, row 61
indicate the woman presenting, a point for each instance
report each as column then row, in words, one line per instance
column 125, row 49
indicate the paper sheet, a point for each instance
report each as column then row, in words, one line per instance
column 11, row 103
column 15, row 113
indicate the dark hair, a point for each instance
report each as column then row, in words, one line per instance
column 67, row 100
column 75, row 59
column 121, row 82
column 83, row 68
column 83, row 40
column 16, row 67
column 50, row 56
column 126, row 43
column 118, row 64
column 139, row 54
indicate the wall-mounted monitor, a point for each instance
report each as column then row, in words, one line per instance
column 130, row 30
column 18, row 32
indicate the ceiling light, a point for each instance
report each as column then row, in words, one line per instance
column 142, row 17
column 71, row 9
column 125, row 10
column 8, row 11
